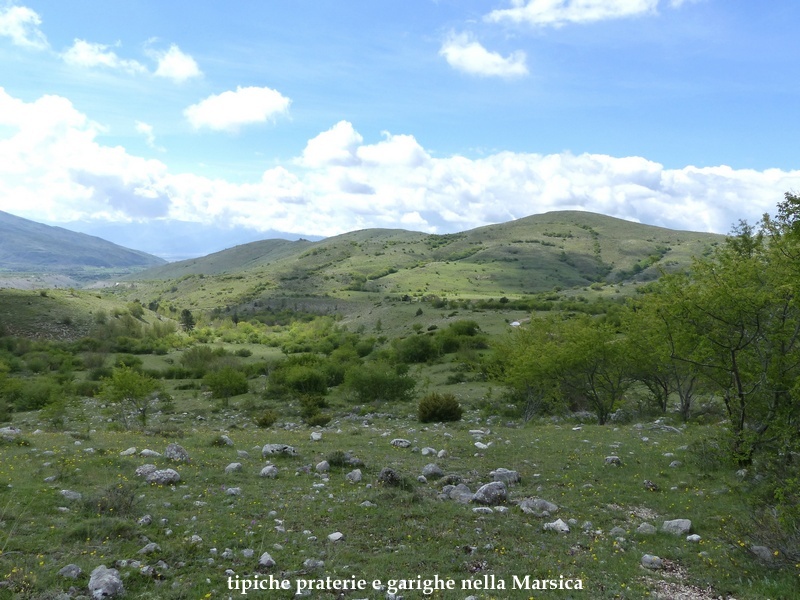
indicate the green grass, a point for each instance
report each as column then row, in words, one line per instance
column 409, row 532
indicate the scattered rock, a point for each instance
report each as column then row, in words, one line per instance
column 337, row 536
column 129, row 452
column 150, row 548
column 400, row 443
column 481, row 446
column 233, row 491
column 71, row 571
column 266, row 561
column 677, row 526
column 491, row 494
column 650, row 486
column 614, row 461
column 650, row 561
column 388, row 476
column 70, row 495
column 482, row 510
column 316, row 436
column 557, row 525
column 460, row 493
column 538, row 507
column 164, row 477
column 354, row 476
column 323, row 467
column 432, row 470
column 270, row 449
column 176, row 453
column 234, row 467
column 505, row 475
column 646, row 529
column 675, row 464
column 145, row 470
column 105, row 583
column 762, row 552
column 147, row 453
column 313, row 563
column 270, row 471
column 694, row 538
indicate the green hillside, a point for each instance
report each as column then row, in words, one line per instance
column 528, row 256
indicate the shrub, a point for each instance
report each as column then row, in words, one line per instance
column 318, row 420
column 439, row 408
column 378, row 381
column 266, row 419
column 244, row 352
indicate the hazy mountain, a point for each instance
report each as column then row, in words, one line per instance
column 28, row 246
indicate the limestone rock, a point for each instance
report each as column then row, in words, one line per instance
column 270, row 471
column 270, row 449
column 105, row 583
column 505, row 475
column 491, row 494
column 177, row 453
column 649, row 561
column 677, row 526
column 400, row 443
column 71, row 571
column 538, row 507
column 164, row 477
column 557, row 525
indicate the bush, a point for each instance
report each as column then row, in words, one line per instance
column 318, row 420
column 378, row 381
column 439, row 408
column 266, row 419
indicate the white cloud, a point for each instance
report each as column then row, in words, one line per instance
column 230, row 110
column 21, row 24
column 558, row 12
column 90, row 54
column 175, row 64
column 146, row 130
column 465, row 54
column 52, row 167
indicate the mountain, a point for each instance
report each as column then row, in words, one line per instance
column 564, row 249
column 27, row 246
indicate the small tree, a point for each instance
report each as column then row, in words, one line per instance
column 130, row 389
column 187, row 320
column 226, row 382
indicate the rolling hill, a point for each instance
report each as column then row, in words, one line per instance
column 30, row 247
column 565, row 249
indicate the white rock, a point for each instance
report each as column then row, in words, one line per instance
column 336, row 536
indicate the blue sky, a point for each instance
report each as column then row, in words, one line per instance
column 183, row 127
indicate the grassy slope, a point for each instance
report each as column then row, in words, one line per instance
column 530, row 255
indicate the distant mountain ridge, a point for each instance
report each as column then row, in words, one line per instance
column 28, row 246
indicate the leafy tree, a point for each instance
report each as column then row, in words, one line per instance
column 226, row 382
column 187, row 320
column 131, row 390
column 378, row 381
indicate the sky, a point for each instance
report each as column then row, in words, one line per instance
column 180, row 128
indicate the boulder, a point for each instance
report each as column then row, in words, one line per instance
column 677, row 526
column 538, row 507
column 507, row 476
column 105, row 583
column 176, row 453
column 557, row 525
column 270, row 449
column 491, row 494
column 650, row 561
column 164, row 477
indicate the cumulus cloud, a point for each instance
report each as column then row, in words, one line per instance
column 90, row 54
column 52, row 167
column 229, row 110
column 559, row 12
column 21, row 25
column 175, row 64
column 465, row 54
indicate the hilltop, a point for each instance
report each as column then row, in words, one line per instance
column 31, row 250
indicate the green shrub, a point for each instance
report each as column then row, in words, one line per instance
column 266, row 419
column 244, row 352
column 318, row 420
column 378, row 381
column 439, row 408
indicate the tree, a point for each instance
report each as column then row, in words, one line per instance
column 226, row 382
column 187, row 320
column 560, row 361
column 130, row 389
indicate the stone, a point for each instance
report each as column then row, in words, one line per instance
column 313, row 563
column 226, row 440
column 164, row 477
column 646, row 529
column 150, row 548
column 389, row 476
column 762, row 552
column 233, row 491
column 145, row 520
column 617, row 532
column 234, row 467
column 557, row 525
column 270, row 471
column 270, row 449
column 266, row 561
column 432, row 470
column 177, row 453
column 71, row 571
column 70, row 495
column 505, row 475
column 400, row 443
column 482, row 510
column 428, row 451
column 650, row 561
column 677, row 526
column 675, row 464
column 354, row 476
column 145, row 470
column 322, row 467
column 538, row 507
column 337, row 536
column 460, row 493
column 129, row 452
column 149, row 453
column 316, row 436
column 105, row 583
column 694, row 538
column 481, row 446
column 243, row 454
column 614, row 461
column 491, row 494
